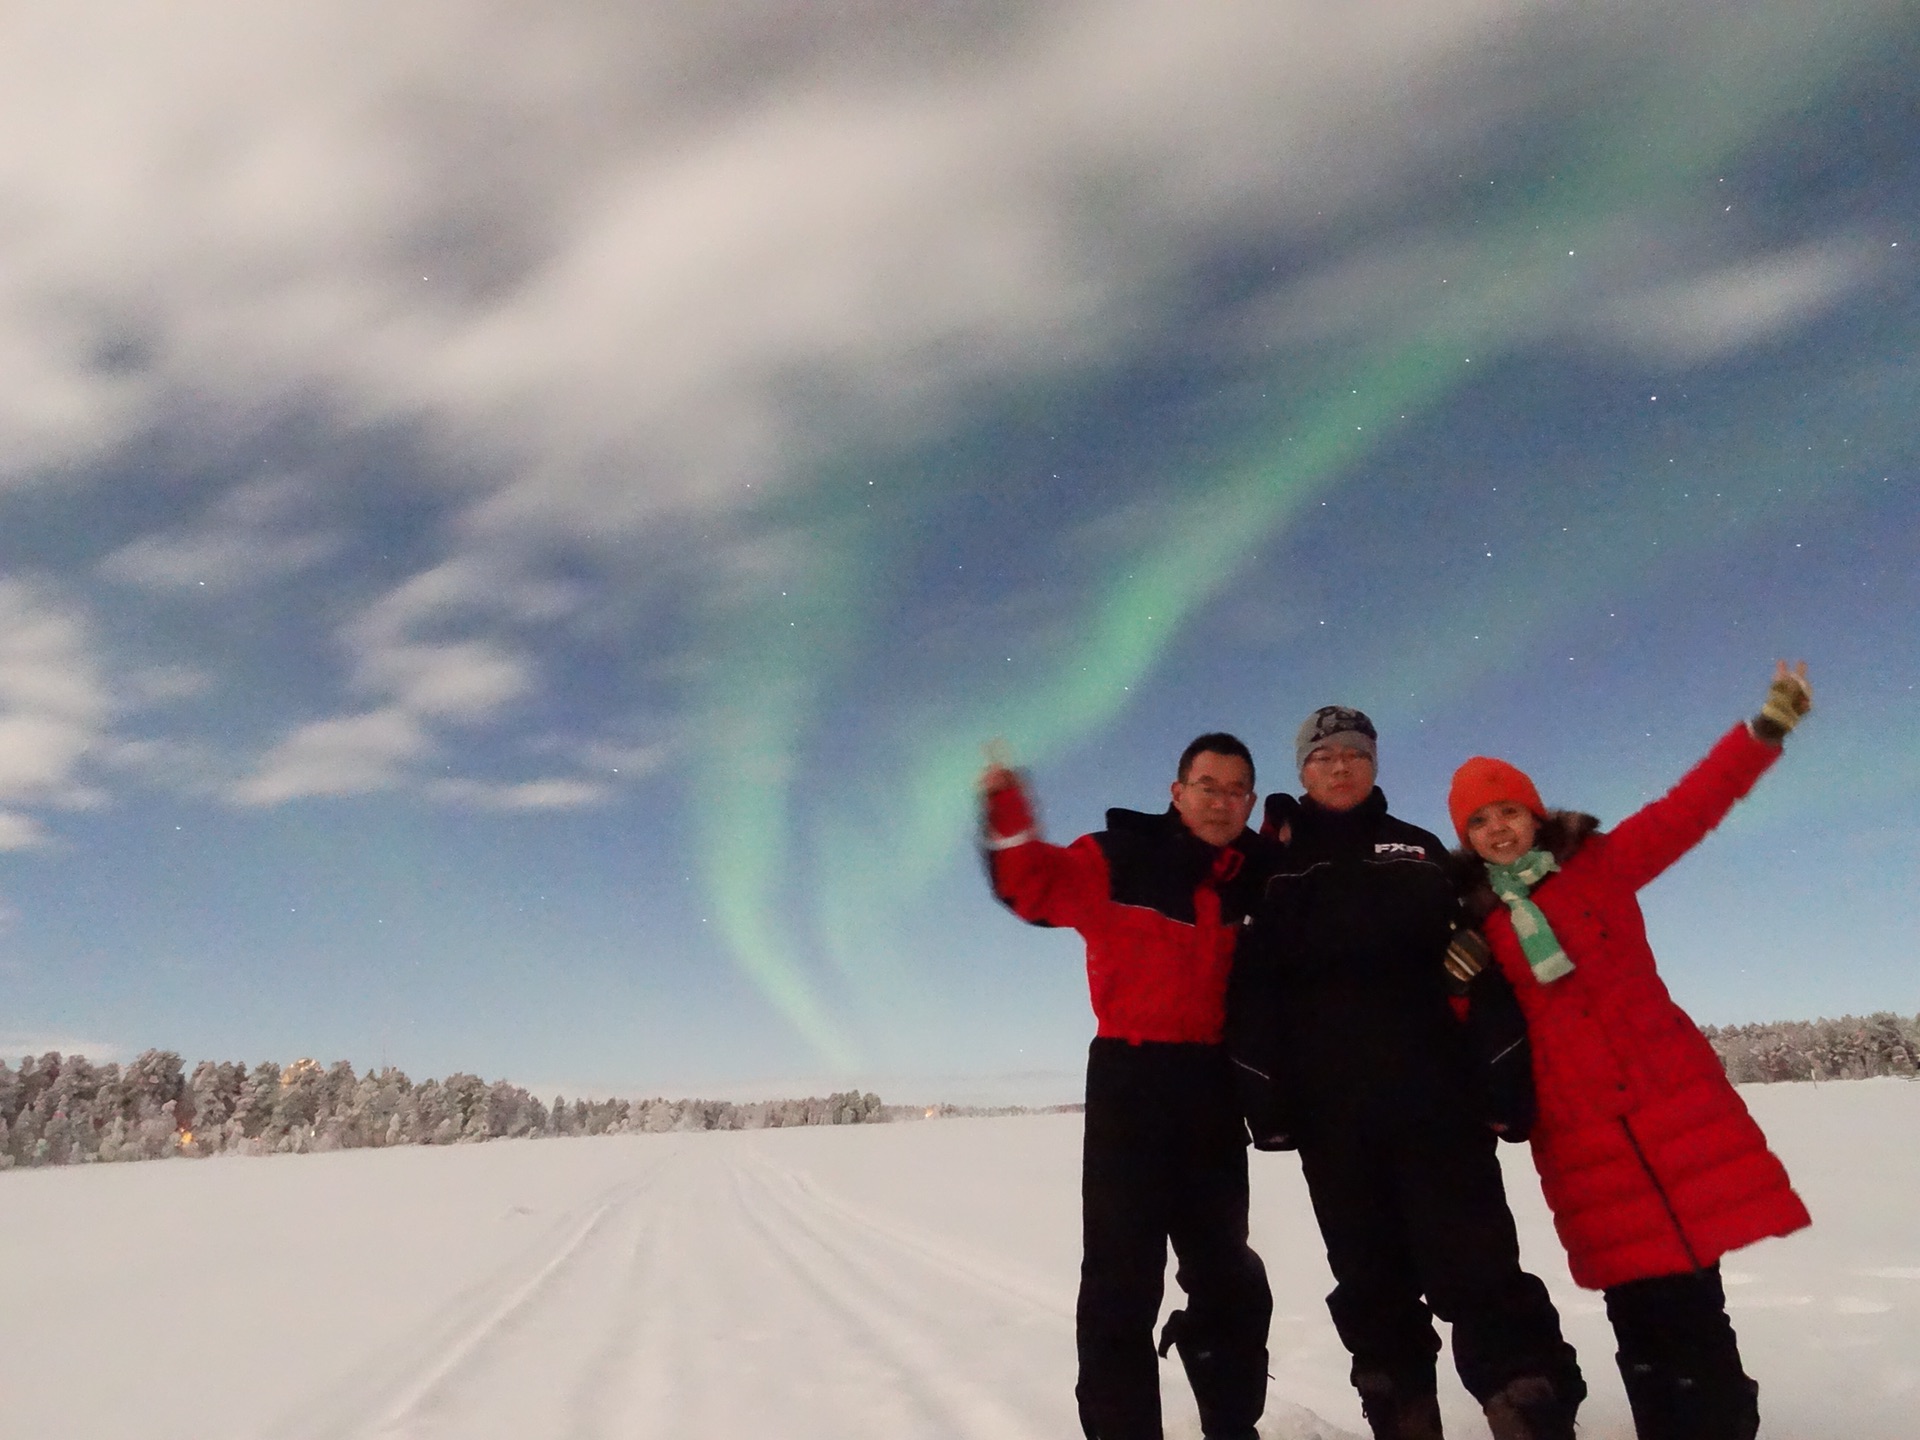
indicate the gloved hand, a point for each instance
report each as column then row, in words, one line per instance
column 1277, row 820
column 1272, row 1136
column 1788, row 698
column 1502, row 1056
column 1468, row 955
column 1263, row 1105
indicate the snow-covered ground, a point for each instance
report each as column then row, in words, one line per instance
column 900, row 1281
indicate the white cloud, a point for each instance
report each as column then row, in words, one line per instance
column 617, row 262
column 1703, row 315
column 254, row 533
column 1628, row 293
column 415, row 652
column 19, row 832
column 177, row 766
column 628, row 761
column 351, row 755
column 16, row 1043
column 54, row 703
column 557, row 793
column 614, row 264
column 464, row 681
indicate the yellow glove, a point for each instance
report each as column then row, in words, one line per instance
column 1788, row 698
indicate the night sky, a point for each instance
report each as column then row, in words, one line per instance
column 516, row 524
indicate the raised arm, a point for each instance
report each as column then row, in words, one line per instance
column 1643, row 845
column 1041, row 883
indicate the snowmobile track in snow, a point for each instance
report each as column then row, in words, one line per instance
column 677, row 1303
column 400, row 1397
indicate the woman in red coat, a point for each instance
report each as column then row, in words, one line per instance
column 1647, row 1156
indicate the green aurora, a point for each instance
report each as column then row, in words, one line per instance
column 783, row 892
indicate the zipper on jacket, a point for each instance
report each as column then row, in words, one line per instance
column 1667, row 1204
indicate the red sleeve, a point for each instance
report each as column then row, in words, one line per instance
column 1046, row 884
column 1643, row 845
column 1052, row 884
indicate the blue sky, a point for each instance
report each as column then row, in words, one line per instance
column 514, row 527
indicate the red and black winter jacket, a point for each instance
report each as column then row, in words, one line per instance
column 1158, row 907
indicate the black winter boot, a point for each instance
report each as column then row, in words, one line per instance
column 1650, row 1396
column 1724, row 1408
column 1670, row 1406
column 1396, row 1411
column 1229, row 1384
column 1528, row 1408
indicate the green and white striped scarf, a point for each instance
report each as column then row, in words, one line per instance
column 1513, row 884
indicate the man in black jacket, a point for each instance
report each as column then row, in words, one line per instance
column 1346, row 1048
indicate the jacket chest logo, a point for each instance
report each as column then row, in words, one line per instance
column 1396, row 848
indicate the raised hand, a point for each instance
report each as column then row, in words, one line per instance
column 999, row 774
column 1788, row 698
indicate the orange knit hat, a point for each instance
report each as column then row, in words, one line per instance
column 1484, row 781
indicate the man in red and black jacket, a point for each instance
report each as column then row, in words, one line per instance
column 1159, row 900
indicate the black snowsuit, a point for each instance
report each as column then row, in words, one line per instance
column 1165, row 1160
column 1344, row 1044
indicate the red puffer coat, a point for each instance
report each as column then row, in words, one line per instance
column 1647, row 1155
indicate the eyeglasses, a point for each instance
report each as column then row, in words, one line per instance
column 1338, row 755
column 1233, row 794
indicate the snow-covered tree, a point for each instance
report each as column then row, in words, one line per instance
column 155, row 1077
column 1846, row 1048
column 250, row 1125
column 375, row 1108
column 296, row 1106
column 9, row 1096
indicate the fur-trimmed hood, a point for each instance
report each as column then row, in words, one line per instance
column 1561, row 835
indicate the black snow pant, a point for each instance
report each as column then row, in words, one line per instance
column 1416, row 1224
column 1680, row 1360
column 1165, row 1160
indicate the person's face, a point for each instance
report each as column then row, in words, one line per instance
column 1337, row 777
column 1502, row 832
column 1216, row 798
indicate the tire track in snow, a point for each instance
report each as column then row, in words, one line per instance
column 762, row 1297
column 955, row 1343
column 833, row 1222
column 964, row 1266
column 539, row 1366
column 719, row 1288
column 404, row 1416
column 404, row 1398
column 715, row 1290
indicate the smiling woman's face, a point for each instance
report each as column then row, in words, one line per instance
column 1502, row 832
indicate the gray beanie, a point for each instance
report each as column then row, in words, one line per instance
column 1331, row 725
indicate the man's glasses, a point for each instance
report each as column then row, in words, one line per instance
column 1338, row 755
column 1233, row 794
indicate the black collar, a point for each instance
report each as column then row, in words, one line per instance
column 1320, row 833
column 1367, row 812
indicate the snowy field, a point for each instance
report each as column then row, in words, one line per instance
column 902, row 1281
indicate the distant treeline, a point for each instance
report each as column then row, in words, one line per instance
column 65, row 1110
column 1849, row 1048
